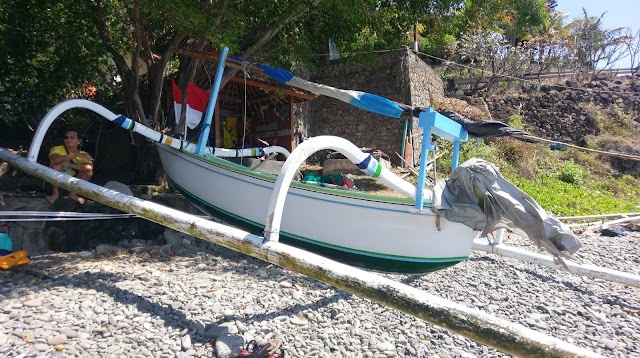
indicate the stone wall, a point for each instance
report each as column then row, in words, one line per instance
column 397, row 75
column 425, row 84
column 559, row 113
column 303, row 121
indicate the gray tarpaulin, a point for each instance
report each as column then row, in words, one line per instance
column 477, row 195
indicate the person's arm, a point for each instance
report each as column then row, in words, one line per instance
column 263, row 142
column 59, row 156
column 79, row 167
column 84, row 155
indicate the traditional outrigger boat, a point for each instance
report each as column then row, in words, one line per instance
column 382, row 233
column 375, row 238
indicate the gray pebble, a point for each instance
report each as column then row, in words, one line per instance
column 175, row 307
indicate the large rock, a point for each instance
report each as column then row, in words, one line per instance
column 119, row 187
column 228, row 346
column 33, row 241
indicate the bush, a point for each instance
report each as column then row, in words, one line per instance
column 516, row 121
column 564, row 199
column 443, row 46
column 572, row 173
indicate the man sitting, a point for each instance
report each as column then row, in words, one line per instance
column 69, row 159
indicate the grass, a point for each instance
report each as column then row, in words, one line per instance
column 566, row 183
column 566, row 199
column 613, row 121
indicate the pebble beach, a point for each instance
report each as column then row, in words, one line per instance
column 196, row 299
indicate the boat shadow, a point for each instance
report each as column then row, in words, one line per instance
column 609, row 299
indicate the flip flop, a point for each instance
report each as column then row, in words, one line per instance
column 50, row 200
column 17, row 258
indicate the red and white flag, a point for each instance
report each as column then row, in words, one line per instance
column 197, row 100
column 177, row 100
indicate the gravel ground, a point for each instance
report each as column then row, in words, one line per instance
column 204, row 300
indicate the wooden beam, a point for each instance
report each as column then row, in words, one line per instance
column 292, row 124
column 238, row 65
column 272, row 88
column 259, row 98
column 216, row 124
column 214, row 57
column 229, row 99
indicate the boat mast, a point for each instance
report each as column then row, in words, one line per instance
column 206, row 127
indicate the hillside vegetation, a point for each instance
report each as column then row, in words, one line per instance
column 568, row 182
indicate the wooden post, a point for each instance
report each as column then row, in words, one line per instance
column 216, row 125
column 292, row 124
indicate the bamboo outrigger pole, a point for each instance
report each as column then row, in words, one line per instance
column 506, row 336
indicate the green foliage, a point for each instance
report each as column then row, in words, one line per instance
column 517, row 19
column 442, row 46
column 517, row 121
column 562, row 186
column 49, row 50
column 572, row 173
column 615, row 122
column 564, row 199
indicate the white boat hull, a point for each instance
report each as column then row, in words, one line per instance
column 356, row 227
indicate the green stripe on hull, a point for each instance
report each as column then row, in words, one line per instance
column 396, row 264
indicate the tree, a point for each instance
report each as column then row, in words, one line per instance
column 49, row 51
column 517, row 19
column 596, row 48
column 632, row 48
column 129, row 46
column 548, row 49
column 493, row 57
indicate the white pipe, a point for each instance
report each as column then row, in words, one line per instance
column 499, row 236
column 618, row 221
column 56, row 111
column 249, row 152
column 127, row 123
column 544, row 260
column 601, row 216
column 501, row 334
column 306, row 149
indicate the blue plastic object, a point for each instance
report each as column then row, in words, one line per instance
column 6, row 243
column 433, row 122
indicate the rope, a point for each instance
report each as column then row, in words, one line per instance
column 202, row 127
column 25, row 216
column 524, row 79
column 527, row 137
column 447, row 62
column 245, row 68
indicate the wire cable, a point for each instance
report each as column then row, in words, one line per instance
column 524, row 79
column 448, row 62
column 528, row 137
